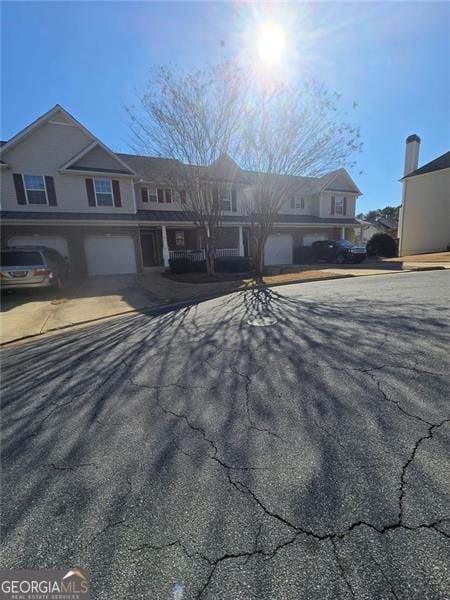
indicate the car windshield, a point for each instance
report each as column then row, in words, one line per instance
column 20, row 258
column 344, row 244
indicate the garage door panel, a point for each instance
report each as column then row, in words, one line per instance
column 278, row 250
column 309, row 238
column 110, row 255
column 56, row 242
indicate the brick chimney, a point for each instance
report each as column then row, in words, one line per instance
column 411, row 154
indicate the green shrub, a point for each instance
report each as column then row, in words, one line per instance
column 232, row 264
column 184, row 264
column 381, row 244
column 302, row 254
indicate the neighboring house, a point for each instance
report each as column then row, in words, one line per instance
column 424, row 224
column 369, row 227
column 118, row 213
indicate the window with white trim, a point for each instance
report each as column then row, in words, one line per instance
column 228, row 202
column 297, row 202
column 225, row 199
column 103, row 192
column 164, row 195
column 179, row 238
column 339, row 205
column 35, row 189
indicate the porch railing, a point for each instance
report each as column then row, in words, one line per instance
column 192, row 254
column 227, row 252
column 200, row 254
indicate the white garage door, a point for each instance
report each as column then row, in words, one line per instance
column 278, row 250
column 58, row 243
column 110, row 255
column 313, row 237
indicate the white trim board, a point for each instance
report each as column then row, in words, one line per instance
column 47, row 117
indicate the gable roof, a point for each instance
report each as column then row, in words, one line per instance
column 49, row 115
column 438, row 164
column 70, row 165
column 155, row 168
column 382, row 223
column 151, row 168
column 226, row 169
column 333, row 175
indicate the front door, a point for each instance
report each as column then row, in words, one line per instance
column 150, row 249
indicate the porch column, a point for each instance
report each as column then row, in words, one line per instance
column 241, row 241
column 165, row 251
column 343, row 233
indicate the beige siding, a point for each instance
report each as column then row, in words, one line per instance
column 325, row 205
column 339, row 184
column 99, row 159
column 310, row 206
column 176, row 205
column 426, row 213
column 43, row 152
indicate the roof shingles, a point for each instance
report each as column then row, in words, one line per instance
column 161, row 216
column 438, row 164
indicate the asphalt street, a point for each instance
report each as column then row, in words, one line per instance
column 285, row 444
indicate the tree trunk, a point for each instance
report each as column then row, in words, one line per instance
column 261, row 242
column 210, row 256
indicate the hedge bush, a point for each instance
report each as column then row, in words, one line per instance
column 381, row 244
column 182, row 265
column 232, row 264
column 223, row 264
column 302, row 254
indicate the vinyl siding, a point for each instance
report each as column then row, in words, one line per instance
column 426, row 213
column 176, row 205
column 100, row 159
column 325, row 205
column 43, row 152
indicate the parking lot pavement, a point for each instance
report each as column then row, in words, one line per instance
column 271, row 444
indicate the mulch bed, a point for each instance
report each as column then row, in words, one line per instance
column 205, row 278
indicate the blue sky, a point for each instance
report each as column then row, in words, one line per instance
column 391, row 58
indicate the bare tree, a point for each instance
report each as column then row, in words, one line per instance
column 192, row 117
column 287, row 133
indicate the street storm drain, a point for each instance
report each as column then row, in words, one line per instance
column 262, row 321
column 178, row 591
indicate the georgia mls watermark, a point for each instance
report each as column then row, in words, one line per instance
column 45, row 584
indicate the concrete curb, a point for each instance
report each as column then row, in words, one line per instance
column 164, row 308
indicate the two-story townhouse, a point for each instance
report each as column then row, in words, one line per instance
column 120, row 213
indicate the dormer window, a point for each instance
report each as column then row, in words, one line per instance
column 35, row 189
column 297, row 202
column 103, row 192
column 164, row 195
column 228, row 199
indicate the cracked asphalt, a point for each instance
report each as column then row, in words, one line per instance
column 194, row 455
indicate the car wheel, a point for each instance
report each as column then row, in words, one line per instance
column 340, row 259
column 57, row 284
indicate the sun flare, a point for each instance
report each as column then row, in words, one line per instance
column 271, row 43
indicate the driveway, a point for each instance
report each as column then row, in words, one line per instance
column 29, row 312
column 276, row 445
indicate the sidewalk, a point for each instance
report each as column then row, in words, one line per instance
column 434, row 259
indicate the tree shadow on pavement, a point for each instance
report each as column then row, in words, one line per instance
column 302, row 410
